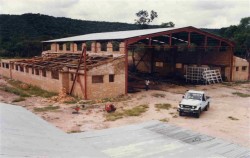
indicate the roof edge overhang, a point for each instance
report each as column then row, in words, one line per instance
column 133, row 39
column 183, row 29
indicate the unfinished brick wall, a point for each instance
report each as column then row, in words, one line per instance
column 100, row 90
column 107, row 89
column 95, row 47
column 240, row 69
column 4, row 70
column 46, row 83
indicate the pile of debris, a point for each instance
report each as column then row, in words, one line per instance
column 63, row 97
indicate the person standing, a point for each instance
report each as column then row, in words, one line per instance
column 147, row 85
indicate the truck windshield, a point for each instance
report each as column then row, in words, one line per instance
column 194, row 96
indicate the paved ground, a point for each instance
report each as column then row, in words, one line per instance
column 24, row 134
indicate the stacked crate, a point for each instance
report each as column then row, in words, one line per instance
column 212, row 76
column 195, row 74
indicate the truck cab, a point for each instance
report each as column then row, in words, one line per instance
column 194, row 102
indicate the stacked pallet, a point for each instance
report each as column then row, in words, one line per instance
column 195, row 74
column 212, row 76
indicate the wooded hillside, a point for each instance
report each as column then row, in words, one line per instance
column 21, row 35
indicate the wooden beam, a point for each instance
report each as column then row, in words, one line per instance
column 79, row 63
column 140, row 59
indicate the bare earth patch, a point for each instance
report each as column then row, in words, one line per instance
column 228, row 116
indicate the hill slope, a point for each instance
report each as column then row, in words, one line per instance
column 20, row 35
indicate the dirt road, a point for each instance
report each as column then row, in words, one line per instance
column 227, row 118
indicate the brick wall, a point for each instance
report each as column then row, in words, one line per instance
column 221, row 59
column 98, row 90
column 95, row 47
column 46, row 83
column 238, row 73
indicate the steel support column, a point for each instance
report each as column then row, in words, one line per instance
column 126, row 67
column 85, row 74
column 189, row 39
column 231, row 64
column 170, row 40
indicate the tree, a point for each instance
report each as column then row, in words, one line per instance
column 168, row 24
column 240, row 34
column 144, row 18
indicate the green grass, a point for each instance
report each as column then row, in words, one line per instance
column 114, row 116
column 29, row 90
column 164, row 120
column 232, row 118
column 33, row 90
column 15, row 91
column 163, row 106
column 18, row 99
column 74, row 101
column 158, row 95
column 119, row 98
column 235, row 83
column 47, row 108
column 243, row 95
column 136, row 111
column 74, row 131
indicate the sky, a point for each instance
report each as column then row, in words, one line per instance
column 197, row 13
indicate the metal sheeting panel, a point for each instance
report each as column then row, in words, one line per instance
column 156, row 139
column 23, row 134
column 112, row 35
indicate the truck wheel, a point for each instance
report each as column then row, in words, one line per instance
column 198, row 114
column 207, row 107
column 180, row 114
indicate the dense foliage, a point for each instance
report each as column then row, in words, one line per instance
column 144, row 18
column 240, row 34
column 21, row 35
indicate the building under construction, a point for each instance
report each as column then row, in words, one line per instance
column 102, row 69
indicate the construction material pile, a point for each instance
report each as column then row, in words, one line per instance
column 202, row 74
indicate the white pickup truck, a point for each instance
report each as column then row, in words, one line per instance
column 194, row 102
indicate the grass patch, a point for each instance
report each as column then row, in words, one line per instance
column 228, row 84
column 164, row 120
column 242, row 82
column 30, row 90
column 136, row 111
column 74, row 131
column 235, row 83
column 18, row 99
column 232, row 118
column 243, row 95
column 114, row 116
column 172, row 113
column 14, row 91
column 73, row 101
column 47, row 108
column 158, row 95
column 33, row 90
column 119, row 98
column 163, row 106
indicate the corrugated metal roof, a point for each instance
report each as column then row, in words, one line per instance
column 112, row 35
column 23, row 134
